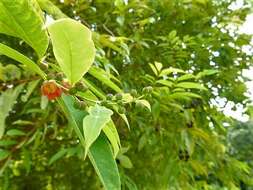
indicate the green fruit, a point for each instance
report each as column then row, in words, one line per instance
column 121, row 110
column 109, row 96
column 133, row 92
column 118, row 96
column 120, row 102
column 79, row 104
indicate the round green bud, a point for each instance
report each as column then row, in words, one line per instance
column 104, row 103
column 150, row 89
column 109, row 96
column 133, row 92
column 145, row 90
column 118, row 96
column 120, row 102
column 43, row 66
column 59, row 76
column 121, row 110
column 81, row 87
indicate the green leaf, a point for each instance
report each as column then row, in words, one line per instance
column 15, row 132
column 28, row 63
column 30, row 88
column 102, row 159
column 57, row 156
column 93, row 123
column 73, row 47
column 22, row 19
column 4, row 143
column 99, row 153
column 165, row 83
column 7, row 101
column 181, row 95
column 144, row 103
column 51, row 9
column 113, row 136
column 191, row 85
column 170, row 70
column 125, row 161
column 186, row 77
column 4, row 154
column 104, row 77
column 207, row 72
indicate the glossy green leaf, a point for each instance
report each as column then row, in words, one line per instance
column 22, row 19
column 73, row 47
column 93, row 123
column 99, row 153
column 28, row 63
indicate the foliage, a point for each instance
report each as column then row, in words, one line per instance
column 130, row 84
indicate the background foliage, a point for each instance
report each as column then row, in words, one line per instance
column 170, row 60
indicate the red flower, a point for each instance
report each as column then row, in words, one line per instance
column 51, row 90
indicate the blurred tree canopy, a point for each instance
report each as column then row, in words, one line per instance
column 163, row 64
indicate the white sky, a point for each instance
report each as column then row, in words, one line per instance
column 246, row 28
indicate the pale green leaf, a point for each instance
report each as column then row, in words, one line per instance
column 190, row 85
column 158, row 66
column 145, row 103
column 125, row 161
column 207, row 72
column 181, row 95
column 22, row 19
column 170, row 70
column 93, row 123
column 73, row 47
column 186, row 77
column 165, row 83
column 113, row 136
